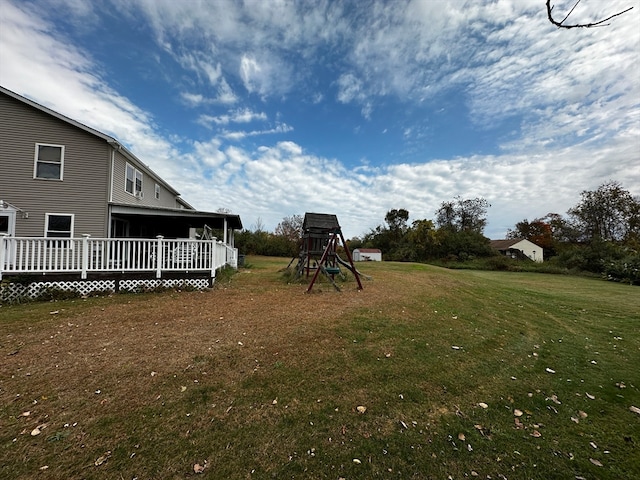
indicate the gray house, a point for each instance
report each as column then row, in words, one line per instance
column 61, row 178
column 78, row 211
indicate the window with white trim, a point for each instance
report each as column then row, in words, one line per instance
column 133, row 180
column 49, row 161
column 157, row 191
column 58, row 225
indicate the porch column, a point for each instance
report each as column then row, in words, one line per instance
column 224, row 239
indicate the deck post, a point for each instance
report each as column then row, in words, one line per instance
column 160, row 256
column 212, row 259
column 3, row 251
column 85, row 255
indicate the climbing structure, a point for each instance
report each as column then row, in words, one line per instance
column 321, row 234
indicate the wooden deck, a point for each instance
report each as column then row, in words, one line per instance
column 85, row 256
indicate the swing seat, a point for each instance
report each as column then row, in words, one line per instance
column 332, row 270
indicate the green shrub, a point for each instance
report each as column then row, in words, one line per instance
column 625, row 270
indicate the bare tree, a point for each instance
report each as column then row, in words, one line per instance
column 562, row 24
column 258, row 227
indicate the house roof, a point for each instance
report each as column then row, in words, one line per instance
column 107, row 138
column 508, row 243
column 368, row 250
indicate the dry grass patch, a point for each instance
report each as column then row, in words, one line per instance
column 257, row 379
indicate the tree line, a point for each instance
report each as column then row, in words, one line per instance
column 600, row 234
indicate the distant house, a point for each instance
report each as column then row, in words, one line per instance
column 519, row 248
column 367, row 255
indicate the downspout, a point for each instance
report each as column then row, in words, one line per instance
column 110, row 187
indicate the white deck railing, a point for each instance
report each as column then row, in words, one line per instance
column 24, row 255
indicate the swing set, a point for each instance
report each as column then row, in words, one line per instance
column 321, row 237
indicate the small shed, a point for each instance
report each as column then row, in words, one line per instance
column 367, row 255
column 519, row 247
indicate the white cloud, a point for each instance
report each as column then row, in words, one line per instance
column 239, row 135
column 250, row 72
column 349, row 88
column 244, row 115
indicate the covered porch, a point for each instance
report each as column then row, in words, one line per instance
column 129, row 221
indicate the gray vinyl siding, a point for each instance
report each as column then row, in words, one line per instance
column 167, row 198
column 83, row 191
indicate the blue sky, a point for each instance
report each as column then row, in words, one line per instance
column 276, row 108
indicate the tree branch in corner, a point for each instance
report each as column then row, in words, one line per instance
column 562, row 24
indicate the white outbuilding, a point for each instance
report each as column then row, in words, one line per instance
column 516, row 247
column 367, row 255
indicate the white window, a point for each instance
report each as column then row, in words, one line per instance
column 133, row 181
column 157, row 191
column 49, row 161
column 58, row 225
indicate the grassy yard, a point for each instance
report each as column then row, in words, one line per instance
column 426, row 373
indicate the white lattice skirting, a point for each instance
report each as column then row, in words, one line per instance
column 12, row 292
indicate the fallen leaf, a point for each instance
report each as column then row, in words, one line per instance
column 183, row 388
column 197, row 468
column 549, row 370
column 25, row 414
column 55, row 312
column 44, row 467
column 575, row 420
column 634, row 409
column 593, row 445
column 275, row 401
column 517, row 413
column 583, row 414
column 361, row 408
column 589, row 396
column 519, row 424
column 102, row 458
column 483, row 405
column 461, row 437
column 595, row 462
column 357, row 461
column 536, row 434
column 621, row 385
column 554, row 399
column 455, row 347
